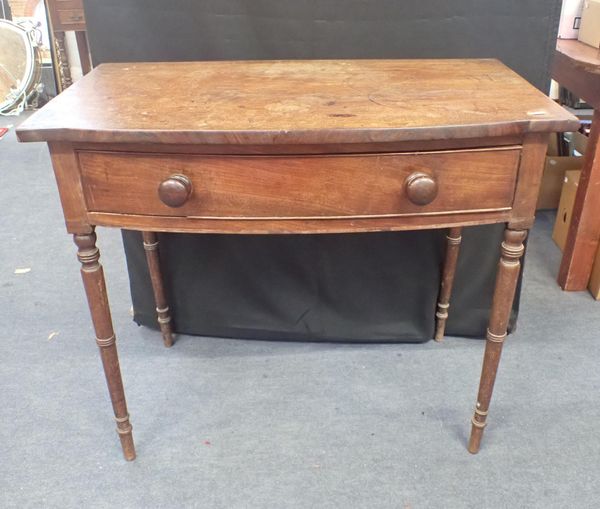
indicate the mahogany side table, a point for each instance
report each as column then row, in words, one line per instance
column 577, row 67
column 306, row 147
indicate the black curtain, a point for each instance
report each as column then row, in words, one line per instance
column 365, row 287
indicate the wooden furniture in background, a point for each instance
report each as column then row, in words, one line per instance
column 300, row 147
column 66, row 15
column 576, row 66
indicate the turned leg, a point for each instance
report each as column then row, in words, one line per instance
column 95, row 289
column 452, row 247
column 162, row 308
column 504, row 293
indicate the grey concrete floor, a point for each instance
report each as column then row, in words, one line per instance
column 248, row 424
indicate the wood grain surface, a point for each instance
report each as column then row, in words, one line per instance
column 307, row 187
column 295, row 226
column 507, row 276
column 587, row 56
column 298, row 147
column 583, row 236
column 576, row 66
column 296, row 102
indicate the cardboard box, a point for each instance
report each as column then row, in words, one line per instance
column 578, row 144
column 553, row 144
column 565, row 208
column 589, row 30
column 594, row 284
column 570, row 18
column 552, row 179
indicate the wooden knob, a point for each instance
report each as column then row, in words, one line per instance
column 421, row 188
column 175, row 191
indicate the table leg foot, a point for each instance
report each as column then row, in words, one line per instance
column 453, row 240
column 95, row 289
column 162, row 307
column 125, row 435
column 504, row 293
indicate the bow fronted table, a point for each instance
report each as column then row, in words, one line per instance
column 298, row 147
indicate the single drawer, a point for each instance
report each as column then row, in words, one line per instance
column 68, row 17
column 297, row 187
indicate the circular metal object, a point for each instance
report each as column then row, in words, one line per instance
column 20, row 65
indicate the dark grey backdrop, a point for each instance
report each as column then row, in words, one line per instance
column 362, row 287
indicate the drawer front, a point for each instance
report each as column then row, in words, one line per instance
column 68, row 18
column 288, row 187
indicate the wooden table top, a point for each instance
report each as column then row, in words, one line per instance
column 296, row 102
column 576, row 66
column 587, row 56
